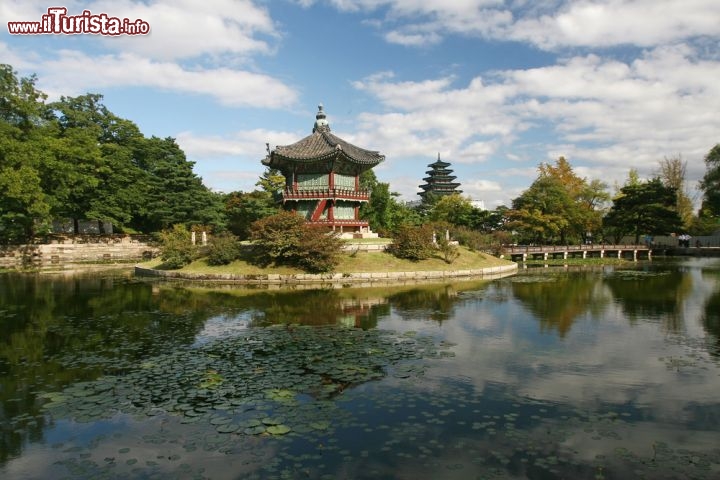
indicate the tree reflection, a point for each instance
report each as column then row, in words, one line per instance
column 61, row 330
column 649, row 294
column 711, row 321
column 432, row 303
column 557, row 300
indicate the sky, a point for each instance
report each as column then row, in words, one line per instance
column 494, row 87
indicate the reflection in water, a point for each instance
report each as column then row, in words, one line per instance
column 711, row 313
column 654, row 294
column 431, row 302
column 557, row 299
column 551, row 374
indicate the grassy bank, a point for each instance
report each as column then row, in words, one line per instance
column 359, row 262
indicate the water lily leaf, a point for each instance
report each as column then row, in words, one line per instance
column 278, row 429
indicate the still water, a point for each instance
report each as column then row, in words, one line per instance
column 606, row 373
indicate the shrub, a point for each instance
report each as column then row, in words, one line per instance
column 176, row 248
column 285, row 239
column 412, row 243
column 222, row 249
column 481, row 242
column 448, row 251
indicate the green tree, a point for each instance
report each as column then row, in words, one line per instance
column 710, row 184
column 24, row 149
column 453, row 209
column 242, row 209
column 543, row 213
column 94, row 173
column 384, row 212
column 175, row 194
column 644, row 209
column 272, row 182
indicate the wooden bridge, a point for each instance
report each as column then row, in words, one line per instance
column 544, row 252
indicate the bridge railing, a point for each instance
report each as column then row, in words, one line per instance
column 571, row 248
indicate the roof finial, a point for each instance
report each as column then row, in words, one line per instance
column 438, row 156
column 321, row 120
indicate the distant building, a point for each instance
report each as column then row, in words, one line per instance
column 322, row 178
column 439, row 180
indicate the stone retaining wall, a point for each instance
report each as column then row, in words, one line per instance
column 78, row 249
column 356, row 279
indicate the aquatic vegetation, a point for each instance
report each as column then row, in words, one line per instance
column 251, row 384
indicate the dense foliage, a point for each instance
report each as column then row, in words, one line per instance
column 286, row 239
column 559, row 207
column 384, row 212
column 412, row 242
column 176, row 247
column 222, row 249
column 74, row 159
column 710, row 184
column 645, row 208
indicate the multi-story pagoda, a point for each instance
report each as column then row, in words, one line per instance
column 322, row 178
column 439, row 180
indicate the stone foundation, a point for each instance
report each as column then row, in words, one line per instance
column 62, row 250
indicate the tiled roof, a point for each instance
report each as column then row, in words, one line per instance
column 323, row 144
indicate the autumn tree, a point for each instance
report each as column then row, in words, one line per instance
column 672, row 174
column 559, row 207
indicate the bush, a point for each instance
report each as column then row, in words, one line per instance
column 285, row 239
column 481, row 242
column 412, row 243
column 176, row 248
column 449, row 251
column 222, row 249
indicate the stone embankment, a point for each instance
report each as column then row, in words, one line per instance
column 78, row 249
column 338, row 279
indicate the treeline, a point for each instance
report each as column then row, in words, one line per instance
column 74, row 159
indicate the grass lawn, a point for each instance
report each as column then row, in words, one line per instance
column 352, row 263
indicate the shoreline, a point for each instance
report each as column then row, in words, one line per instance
column 332, row 278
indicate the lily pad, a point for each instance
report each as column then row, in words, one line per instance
column 278, row 429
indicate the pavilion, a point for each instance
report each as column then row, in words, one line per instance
column 322, row 179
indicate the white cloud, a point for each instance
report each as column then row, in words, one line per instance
column 618, row 22
column 413, row 39
column 74, row 72
column 548, row 25
column 605, row 114
column 246, row 143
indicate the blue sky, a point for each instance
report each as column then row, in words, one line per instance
column 496, row 87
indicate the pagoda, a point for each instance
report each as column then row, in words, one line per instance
column 439, row 180
column 322, row 179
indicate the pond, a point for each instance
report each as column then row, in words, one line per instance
column 553, row 373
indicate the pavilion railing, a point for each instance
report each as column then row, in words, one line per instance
column 327, row 193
